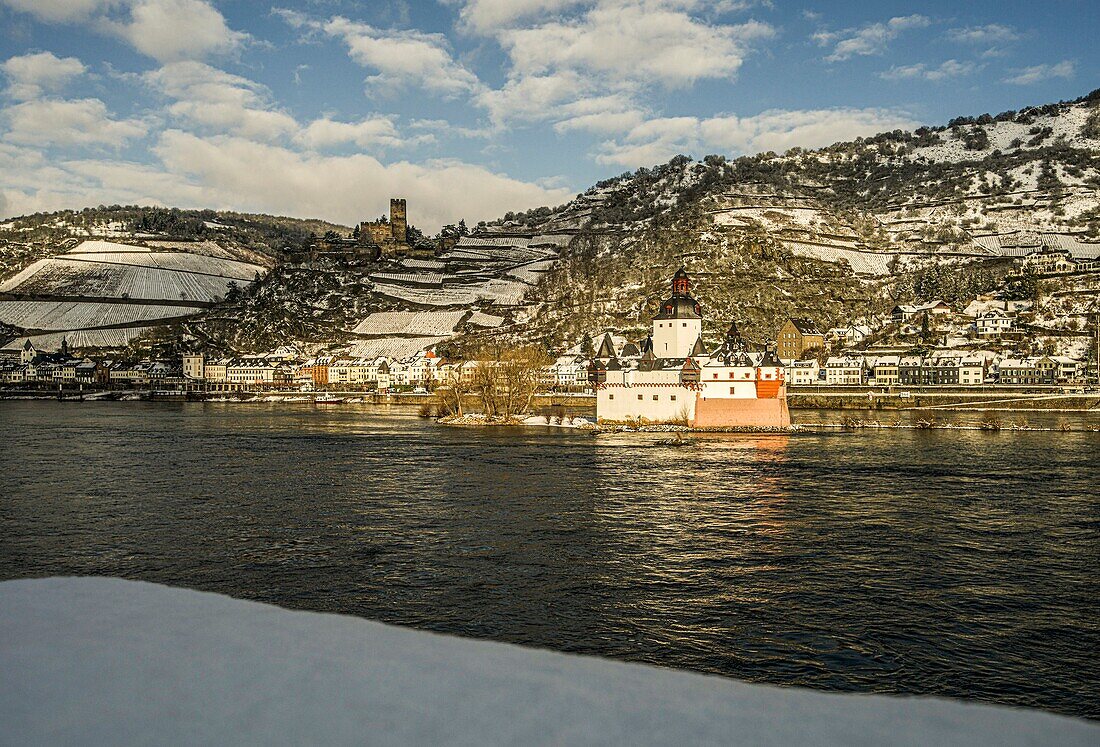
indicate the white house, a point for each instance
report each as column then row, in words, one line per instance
column 994, row 322
column 804, row 373
column 844, row 370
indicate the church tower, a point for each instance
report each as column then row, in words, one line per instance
column 679, row 322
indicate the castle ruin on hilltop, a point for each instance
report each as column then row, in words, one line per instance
column 384, row 238
column 389, row 237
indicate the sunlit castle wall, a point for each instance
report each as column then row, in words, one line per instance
column 674, row 338
column 656, row 403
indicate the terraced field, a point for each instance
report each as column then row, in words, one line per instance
column 71, row 315
column 180, row 261
column 76, row 339
column 410, row 323
column 105, row 293
column 80, row 278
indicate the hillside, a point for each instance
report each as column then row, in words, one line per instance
column 105, row 277
column 840, row 235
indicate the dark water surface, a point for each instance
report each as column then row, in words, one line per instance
column 935, row 562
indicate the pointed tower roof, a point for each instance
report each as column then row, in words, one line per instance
column 630, row 350
column 614, row 365
column 698, row 348
column 607, row 347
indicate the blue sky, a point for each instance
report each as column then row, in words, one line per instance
column 470, row 108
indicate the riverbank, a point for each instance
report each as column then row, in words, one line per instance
column 98, row 660
column 863, row 399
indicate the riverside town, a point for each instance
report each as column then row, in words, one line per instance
column 549, row 372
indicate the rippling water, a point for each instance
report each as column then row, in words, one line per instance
column 935, row 562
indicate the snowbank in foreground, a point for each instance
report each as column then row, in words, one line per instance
column 107, row 661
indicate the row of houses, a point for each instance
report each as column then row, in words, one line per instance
column 939, row 370
column 35, row 366
column 985, row 318
column 425, row 369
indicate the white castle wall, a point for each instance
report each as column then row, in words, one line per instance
column 674, row 338
column 655, row 402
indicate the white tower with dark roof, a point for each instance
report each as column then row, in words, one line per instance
column 678, row 324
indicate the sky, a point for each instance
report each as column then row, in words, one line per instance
column 471, row 108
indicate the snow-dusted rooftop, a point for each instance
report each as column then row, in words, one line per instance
column 107, row 661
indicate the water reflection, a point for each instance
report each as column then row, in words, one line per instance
column 956, row 563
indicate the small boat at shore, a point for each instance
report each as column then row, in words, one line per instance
column 328, row 401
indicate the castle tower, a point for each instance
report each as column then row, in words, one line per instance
column 398, row 222
column 679, row 322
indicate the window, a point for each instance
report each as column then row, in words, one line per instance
column 672, row 398
column 685, row 324
column 611, row 396
column 655, row 397
column 732, row 390
column 716, row 376
column 639, row 396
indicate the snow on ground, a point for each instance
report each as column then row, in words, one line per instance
column 108, row 661
column 395, row 348
column 92, row 338
column 862, row 263
column 95, row 246
column 75, row 278
column 411, row 323
column 65, row 315
column 479, row 319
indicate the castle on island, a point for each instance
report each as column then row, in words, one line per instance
column 671, row 377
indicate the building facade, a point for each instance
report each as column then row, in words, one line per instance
column 676, row 380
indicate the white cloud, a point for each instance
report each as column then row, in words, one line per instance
column 1038, row 73
column 993, row 33
column 58, row 11
column 165, row 30
column 253, row 176
column 403, row 58
column 169, row 30
column 220, row 101
column 946, row 69
column 776, row 130
column 603, row 122
column 488, row 16
column 31, row 74
column 225, row 172
column 67, row 123
column 631, row 42
column 869, row 39
column 532, row 98
column 374, row 133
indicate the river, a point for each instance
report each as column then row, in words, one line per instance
column 940, row 562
